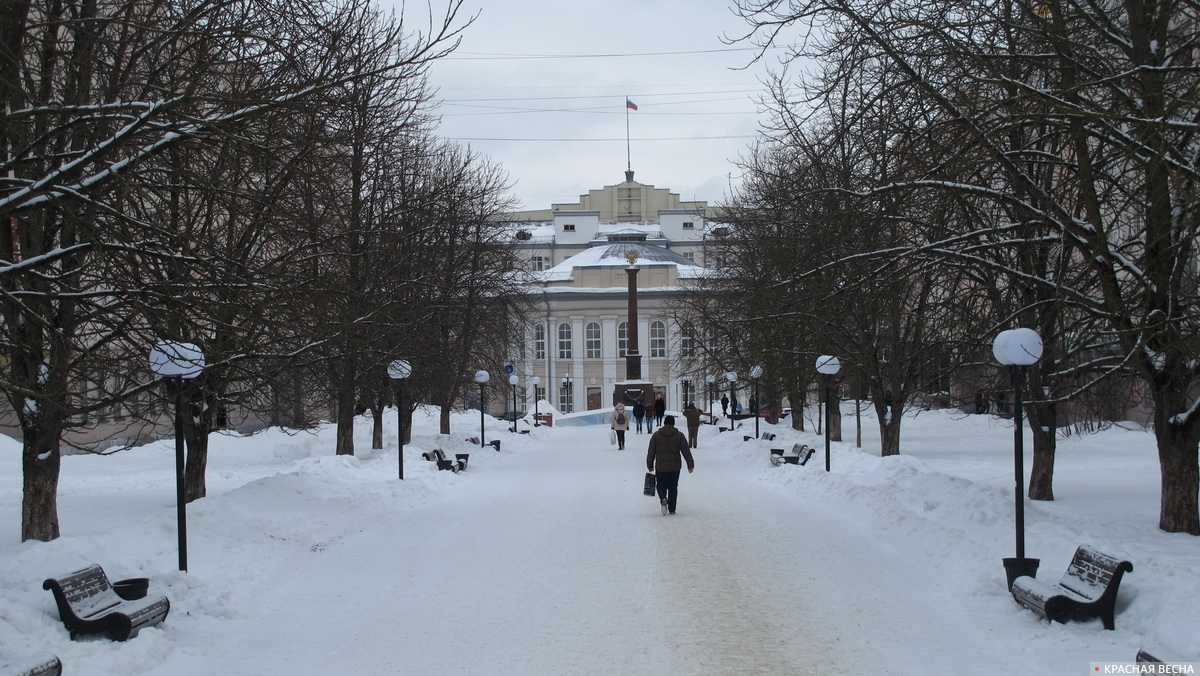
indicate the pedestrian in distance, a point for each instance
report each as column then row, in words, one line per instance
column 649, row 417
column 664, row 456
column 620, row 424
column 692, row 414
column 660, row 409
column 724, row 405
column 639, row 412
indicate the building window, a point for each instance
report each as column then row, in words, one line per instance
column 537, row 263
column 689, row 226
column 539, row 342
column 622, row 339
column 591, row 341
column 690, row 256
column 687, row 341
column 568, row 227
column 658, row 339
column 564, row 341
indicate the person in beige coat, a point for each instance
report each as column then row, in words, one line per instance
column 620, row 423
column 665, row 455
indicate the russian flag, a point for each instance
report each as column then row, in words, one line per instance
column 630, row 104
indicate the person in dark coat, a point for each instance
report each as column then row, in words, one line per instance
column 692, row 414
column 724, row 405
column 639, row 412
column 660, row 409
column 664, row 456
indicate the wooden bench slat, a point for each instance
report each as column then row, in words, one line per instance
column 42, row 664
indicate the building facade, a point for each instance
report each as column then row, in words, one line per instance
column 578, row 254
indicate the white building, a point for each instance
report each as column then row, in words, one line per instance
column 577, row 254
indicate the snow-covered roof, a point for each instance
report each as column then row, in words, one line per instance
column 613, row 255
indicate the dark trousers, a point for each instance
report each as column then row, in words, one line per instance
column 693, row 434
column 620, row 439
column 668, row 487
column 638, row 420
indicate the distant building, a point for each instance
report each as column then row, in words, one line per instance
column 577, row 258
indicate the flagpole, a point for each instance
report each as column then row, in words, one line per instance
column 628, row 162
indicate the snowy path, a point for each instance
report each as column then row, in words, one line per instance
column 744, row 580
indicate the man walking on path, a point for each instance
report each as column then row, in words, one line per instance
column 692, row 414
column 663, row 458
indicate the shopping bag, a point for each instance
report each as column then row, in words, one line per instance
column 649, row 489
column 612, row 437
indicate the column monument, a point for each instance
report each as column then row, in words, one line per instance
column 633, row 389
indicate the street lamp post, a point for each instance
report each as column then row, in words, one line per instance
column 568, row 394
column 398, row 371
column 1017, row 349
column 513, row 380
column 535, row 381
column 685, row 382
column 708, row 379
column 756, row 373
column 732, row 378
column 827, row 366
column 481, row 377
column 178, row 362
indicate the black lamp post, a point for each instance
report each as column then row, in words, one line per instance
column 535, row 381
column 827, row 366
column 732, row 378
column 568, row 393
column 1017, row 349
column 755, row 373
column 481, row 377
column 685, row 382
column 513, row 380
column 178, row 362
column 708, row 379
column 398, row 371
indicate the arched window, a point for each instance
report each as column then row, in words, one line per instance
column 591, row 340
column 564, row 341
column 658, row 339
column 622, row 339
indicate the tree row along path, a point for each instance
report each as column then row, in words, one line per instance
column 550, row 561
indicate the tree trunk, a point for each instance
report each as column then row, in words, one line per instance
column 376, row 427
column 444, row 419
column 40, row 465
column 889, row 429
column 1044, row 423
column 797, row 399
column 1179, row 511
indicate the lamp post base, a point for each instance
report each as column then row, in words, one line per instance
column 1016, row 567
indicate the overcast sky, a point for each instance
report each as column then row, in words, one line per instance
column 556, row 122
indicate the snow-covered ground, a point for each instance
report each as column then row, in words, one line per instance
column 545, row 558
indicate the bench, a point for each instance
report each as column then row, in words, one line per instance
column 42, row 664
column 1161, row 656
column 800, row 455
column 87, row 604
column 1087, row 589
column 438, row 455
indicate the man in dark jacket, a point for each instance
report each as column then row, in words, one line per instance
column 663, row 457
column 692, row 415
